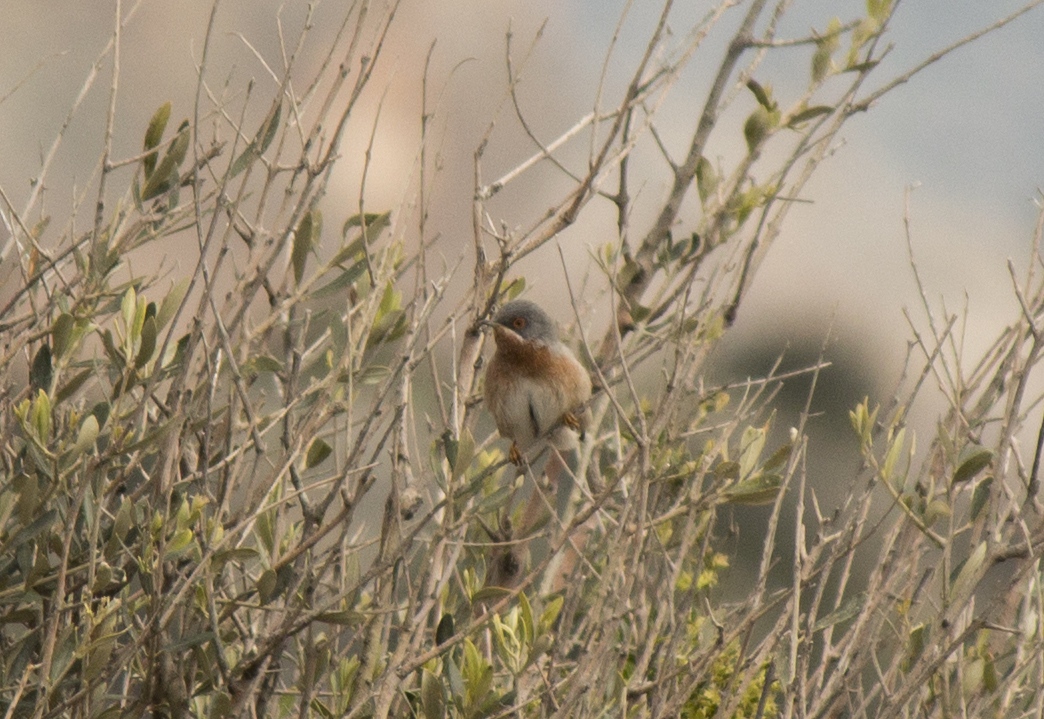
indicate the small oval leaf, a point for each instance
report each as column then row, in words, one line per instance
column 445, row 629
column 973, row 459
column 171, row 302
column 266, row 585
column 760, row 489
column 980, row 496
column 810, row 114
column 306, row 239
column 61, row 332
column 148, row 343
column 42, row 371
column 968, row 574
column 87, row 434
column 755, row 128
column 318, row 451
column 760, row 94
column 433, row 699
column 153, row 135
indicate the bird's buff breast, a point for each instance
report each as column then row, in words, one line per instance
column 551, row 383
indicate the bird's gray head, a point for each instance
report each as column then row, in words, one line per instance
column 527, row 320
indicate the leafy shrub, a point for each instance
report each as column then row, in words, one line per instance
column 193, row 461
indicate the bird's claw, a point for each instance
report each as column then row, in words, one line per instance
column 572, row 421
column 515, row 455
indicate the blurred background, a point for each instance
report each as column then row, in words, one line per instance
column 963, row 138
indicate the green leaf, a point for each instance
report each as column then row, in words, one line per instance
column 809, row 114
column 778, row 458
column 444, row 630
column 317, row 453
column 148, row 343
column 980, row 496
column 752, row 443
column 550, row 614
column 372, row 221
column 153, row 135
column 266, row 585
column 102, row 578
column 98, row 660
column 513, row 289
column 727, row 470
column 706, row 178
column 973, row 459
column 390, row 321
column 821, row 60
column 69, row 388
column 166, row 177
column 86, row 436
column 306, row 239
column 265, row 527
column 966, row 578
column 61, row 333
column 863, row 421
column 111, row 351
column 464, row 455
column 339, row 284
column 265, row 134
column 971, row 676
column 915, row 648
column 40, row 416
column 990, row 680
column 526, row 619
column 141, row 311
column 352, row 251
column 936, row 508
column 178, row 148
column 29, row 496
column 101, row 411
column 763, row 96
column 41, row 373
column 128, row 309
column 756, row 128
column 179, row 543
column 433, row 699
column 171, row 302
column 489, row 594
column 449, row 447
column 124, row 518
column 32, row 530
column 851, row 608
column 270, row 127
column 478, row 675
column 760, row 489
column 861, row 66
column 878, row 9
column 893, row 454
column 261, row 363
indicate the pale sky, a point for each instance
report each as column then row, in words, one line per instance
column 967, row 133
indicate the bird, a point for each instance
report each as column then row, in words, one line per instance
column 535, row 386
column 537, row 391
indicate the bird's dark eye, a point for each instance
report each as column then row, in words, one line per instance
column 519, row 323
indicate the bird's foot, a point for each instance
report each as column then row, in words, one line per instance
column 515, row 455
column 572, row 421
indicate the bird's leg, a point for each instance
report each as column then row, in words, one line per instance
column 515, row 455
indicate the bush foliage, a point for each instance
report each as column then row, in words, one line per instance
column 262, row 484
